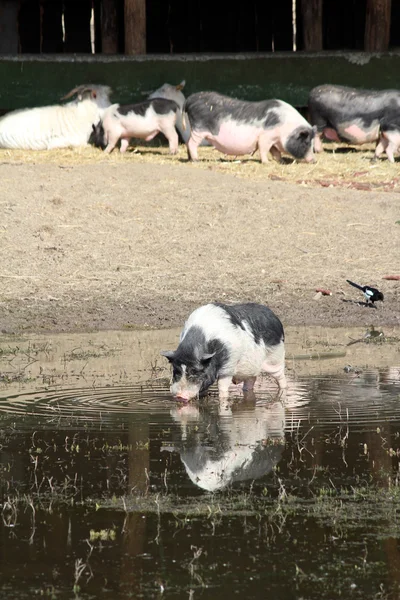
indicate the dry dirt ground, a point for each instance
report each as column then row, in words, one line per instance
column 89, row 241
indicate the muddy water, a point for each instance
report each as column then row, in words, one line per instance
column 110, row 490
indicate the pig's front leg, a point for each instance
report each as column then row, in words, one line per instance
column 390, row 150
column 276, row 154
column 124, row 145
column 112, row 142
column 248, row 384
column 223, row 387
column 318, row 147
column 389, row 143
column 380, row 147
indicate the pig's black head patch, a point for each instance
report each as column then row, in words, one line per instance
column 300, row 141
column 97, row 136
column 197, row 359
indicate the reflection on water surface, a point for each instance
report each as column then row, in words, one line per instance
column 110, row 489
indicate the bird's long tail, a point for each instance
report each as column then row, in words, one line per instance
column 354, row 284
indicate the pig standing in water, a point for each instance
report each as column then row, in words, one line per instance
column 228, row 344
column 237, row 127
column 143, row 120
column 351, row 115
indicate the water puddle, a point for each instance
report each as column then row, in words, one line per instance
column 111, row 490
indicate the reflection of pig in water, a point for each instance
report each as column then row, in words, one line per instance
column 243, row 445
column 237, row 127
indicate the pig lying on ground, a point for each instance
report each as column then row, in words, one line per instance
column 174, row 92
column 143, row 120
column 227, row 343
column 237, row 127
column 351, row 115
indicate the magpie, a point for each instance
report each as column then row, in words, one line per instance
column 371, row 294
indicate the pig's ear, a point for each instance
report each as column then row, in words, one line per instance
column 170, row 354
column 181, row 85
column 207, row 357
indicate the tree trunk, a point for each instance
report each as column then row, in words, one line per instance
column 312, row 24
column 135, row 26
column 109, row 27
column 9, row 27
column 377, row 25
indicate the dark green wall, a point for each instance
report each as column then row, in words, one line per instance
column 31, row 80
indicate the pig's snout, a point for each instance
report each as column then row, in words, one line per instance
column 310, row 159
column 182, row 397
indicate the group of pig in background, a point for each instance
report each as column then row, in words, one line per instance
column 234, row 127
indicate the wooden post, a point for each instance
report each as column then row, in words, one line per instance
column 312, row 24
column 135, row 26
column 109, row 27
column 9, row 27
column 377, row 25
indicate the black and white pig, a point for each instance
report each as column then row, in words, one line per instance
column 227, row 344
column 143, row 120
column 174, row 92
column 344, row 114
column 389, row 139
column 237, row 127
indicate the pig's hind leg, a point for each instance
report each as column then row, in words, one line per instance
column 193, row 143
column 274, row 365
column 111, row 143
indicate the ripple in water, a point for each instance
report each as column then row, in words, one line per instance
column 365, row 398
